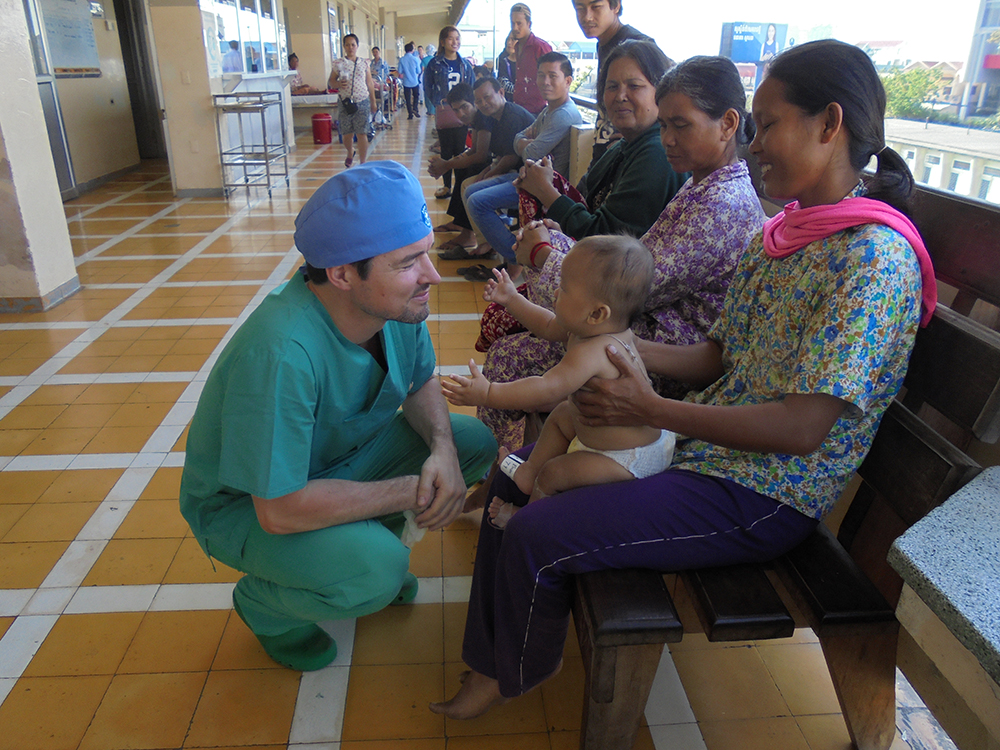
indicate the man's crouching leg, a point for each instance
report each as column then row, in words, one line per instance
column 295, row 581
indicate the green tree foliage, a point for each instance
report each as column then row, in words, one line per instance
column 906, row 92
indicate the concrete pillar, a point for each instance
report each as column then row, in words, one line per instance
column 978, row 165
column 36, row 258
column 309, row 32
column 919, row 163
column 947, row 162
column 192, row 142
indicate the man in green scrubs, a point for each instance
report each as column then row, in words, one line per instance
column 322, row 423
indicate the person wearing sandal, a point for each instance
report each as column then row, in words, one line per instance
column 446, row 70
column 321, row 446
column 502, row 120
column 470, row 162
column 547, row 135
column 352, row 78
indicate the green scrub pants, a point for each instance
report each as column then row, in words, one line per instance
column 349, row 570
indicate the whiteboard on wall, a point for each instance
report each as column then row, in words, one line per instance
column 70, row 35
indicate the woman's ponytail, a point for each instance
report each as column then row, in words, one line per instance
column 893, row 182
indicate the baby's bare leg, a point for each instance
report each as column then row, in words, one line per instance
column 557, row 433
column 580, row 469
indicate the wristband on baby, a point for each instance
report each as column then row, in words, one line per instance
column 534, row 252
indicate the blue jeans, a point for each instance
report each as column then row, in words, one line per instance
column 483, row 200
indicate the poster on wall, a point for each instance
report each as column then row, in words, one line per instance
column 70, row 35
column 745, row 42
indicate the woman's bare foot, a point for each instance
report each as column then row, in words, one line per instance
column 501, row 512
column 477, row 695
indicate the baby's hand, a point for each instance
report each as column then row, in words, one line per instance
column 466, row 391
column 501, row 289
column 527, row 238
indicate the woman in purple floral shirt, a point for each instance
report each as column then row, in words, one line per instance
column 696, row 242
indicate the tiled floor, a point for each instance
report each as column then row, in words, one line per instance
column 117, row 632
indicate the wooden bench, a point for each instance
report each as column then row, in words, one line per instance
column 840, row 585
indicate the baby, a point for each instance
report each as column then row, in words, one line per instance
column 605, row 282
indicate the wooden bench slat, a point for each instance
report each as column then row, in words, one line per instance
column 628, row 607
column 738, row 603
column 912, row 466
column 968, row 395
column 834, row 589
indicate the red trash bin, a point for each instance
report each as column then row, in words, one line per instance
column 322, row 128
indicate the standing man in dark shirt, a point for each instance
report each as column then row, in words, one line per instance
column 495, row 122
column 601, row 20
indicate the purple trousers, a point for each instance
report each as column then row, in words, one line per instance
column 522, row 589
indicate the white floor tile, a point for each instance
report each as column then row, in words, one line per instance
column 12, row 601
column 342, row 631
column 131, row 484
column 319, row 709
column 21, row 641
column 49, row 601
column 6, row 685
column 457, row 588
column 106, row 519
column 668, row 703
column 74, row 564
column 430, row 591
column 91, row 599
column 149, row 459
column 39, row 463
column 102, row 461
column 193, row 596
column 163, row 438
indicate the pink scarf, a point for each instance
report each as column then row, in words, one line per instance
column 795, row 227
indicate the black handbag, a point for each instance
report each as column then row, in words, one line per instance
column 350, row 106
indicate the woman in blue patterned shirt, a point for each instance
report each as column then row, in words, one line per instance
column 811, row 346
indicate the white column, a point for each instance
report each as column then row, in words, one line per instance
column 36, row 258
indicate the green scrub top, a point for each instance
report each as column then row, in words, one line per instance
column 289, row 400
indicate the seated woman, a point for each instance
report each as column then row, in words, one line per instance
column 695, row 242
column 629, row 186
column 809, row 350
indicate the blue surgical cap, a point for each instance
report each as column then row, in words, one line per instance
column 369, row 210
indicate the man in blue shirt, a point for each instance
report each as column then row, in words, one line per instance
column 321, row 436
column 548, row 135
column 410, row 70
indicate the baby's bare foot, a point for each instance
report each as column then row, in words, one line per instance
column 501, row 512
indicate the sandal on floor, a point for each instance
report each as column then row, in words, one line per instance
column 456, row 252
column 348, row 161
column 444, row 228
column 478, row 272
column 442, row 192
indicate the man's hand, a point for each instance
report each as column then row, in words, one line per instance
column 436, row 166
column 466, row 391
column 537, row 177
column 441, row 490
column 622, row 401
column 501, row 289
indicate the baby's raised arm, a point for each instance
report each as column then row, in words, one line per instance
column 534, row 393
column 535, row 318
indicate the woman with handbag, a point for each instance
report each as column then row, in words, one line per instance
column 352, row 78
